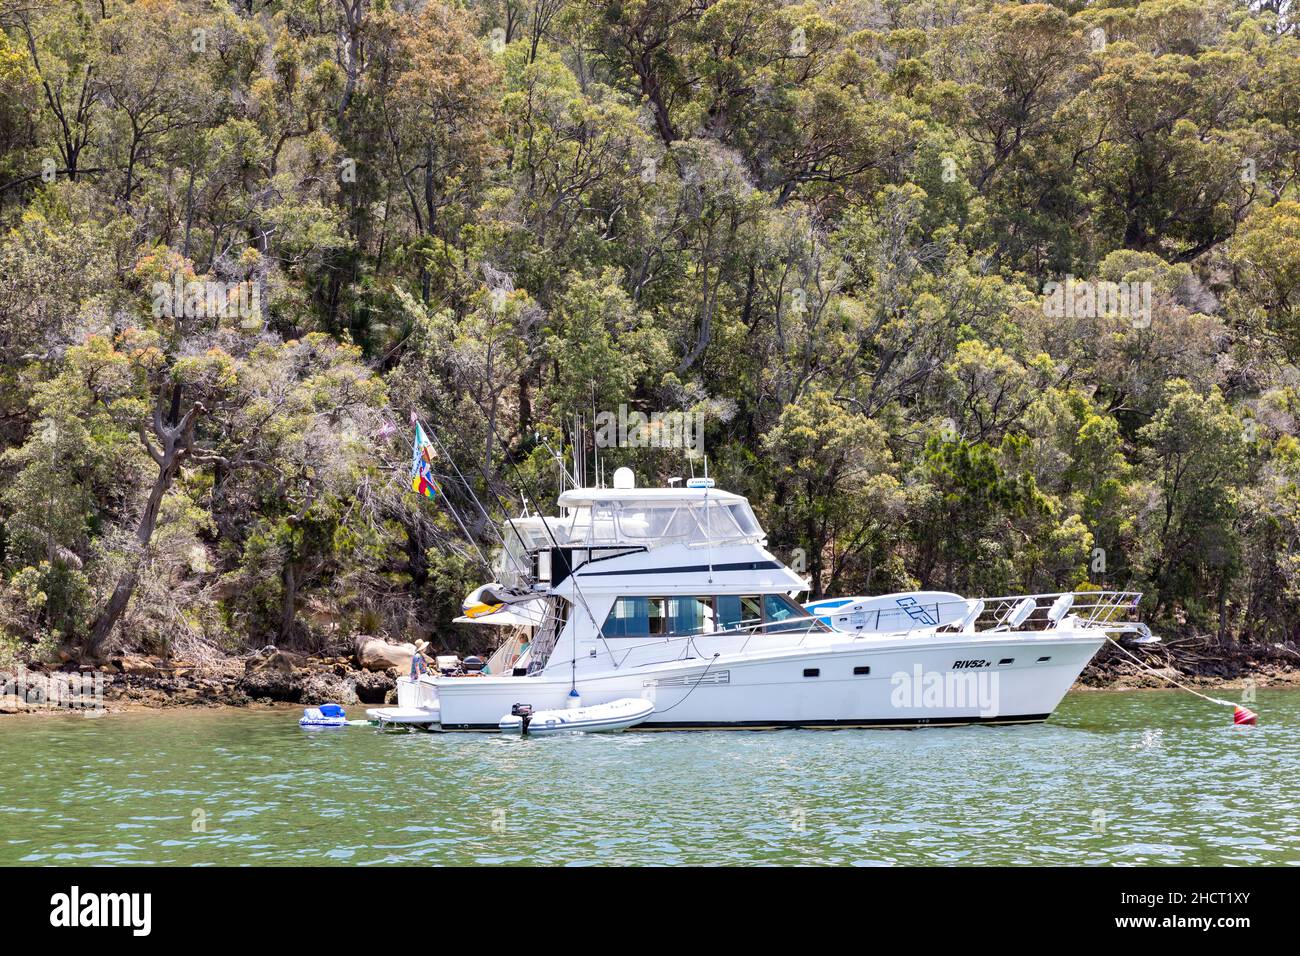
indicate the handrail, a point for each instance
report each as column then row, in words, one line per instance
column 1089, row 608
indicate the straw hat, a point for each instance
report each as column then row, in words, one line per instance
column 420, row 646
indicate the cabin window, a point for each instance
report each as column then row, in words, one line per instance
column 744, row 518
column 717, row 522
column 629, row 617
column 658, row 617
column 782, row 614
column 690, row 615
column 736, row 612
column 682, row 616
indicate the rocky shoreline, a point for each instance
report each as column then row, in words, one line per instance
column 369, row 677
column 1196, row 662
column 268, row 676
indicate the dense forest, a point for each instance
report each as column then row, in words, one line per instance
column 968, row 295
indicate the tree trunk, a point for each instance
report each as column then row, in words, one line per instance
column 1224, row 628
column 174, row 438
column 290, row 581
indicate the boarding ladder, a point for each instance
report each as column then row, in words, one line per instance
column 548, row 635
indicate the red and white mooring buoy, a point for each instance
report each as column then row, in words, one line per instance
column 1244, row 715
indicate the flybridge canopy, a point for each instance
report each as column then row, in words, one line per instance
column 654, row 516
column 603, row 521
column 586, row 497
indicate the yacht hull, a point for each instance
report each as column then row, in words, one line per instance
column 905, row 681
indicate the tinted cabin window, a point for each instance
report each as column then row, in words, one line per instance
column 781, row 614
column 689, row 615
column 658, row 620
column 629, row 617
column 735, row 611
column 656, row 616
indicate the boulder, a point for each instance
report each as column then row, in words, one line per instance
column 376, row 655
column 271, row 658
column 273, row 673
column 134, row 664
column 372, row 687
column 272, row 684
column 325, row 687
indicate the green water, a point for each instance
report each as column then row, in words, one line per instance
column 1137, row 778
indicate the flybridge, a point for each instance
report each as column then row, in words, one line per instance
column 600, row 523
column 658, row 516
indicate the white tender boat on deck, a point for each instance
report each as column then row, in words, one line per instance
column 669, row 596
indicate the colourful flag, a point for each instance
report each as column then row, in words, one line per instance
column 422, row 480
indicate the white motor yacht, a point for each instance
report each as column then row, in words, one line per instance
column 670, row 595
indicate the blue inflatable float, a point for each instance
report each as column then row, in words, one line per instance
column 326, row 715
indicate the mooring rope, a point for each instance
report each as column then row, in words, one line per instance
column 697, row 683
column 1156, row 673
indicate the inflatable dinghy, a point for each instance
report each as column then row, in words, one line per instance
column 598, row 718
column 326, row 715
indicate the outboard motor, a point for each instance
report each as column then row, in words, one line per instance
column 524, row 712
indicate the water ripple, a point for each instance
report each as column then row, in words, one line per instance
column 1121, row 779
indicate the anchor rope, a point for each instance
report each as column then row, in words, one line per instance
column 1156, row 673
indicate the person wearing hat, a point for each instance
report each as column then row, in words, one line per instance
column 418, row 664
